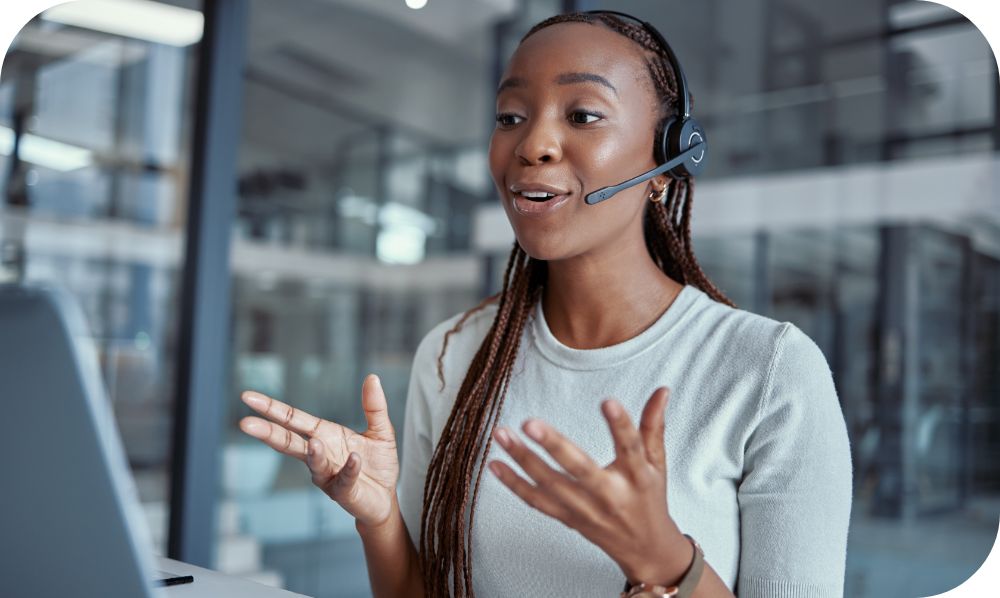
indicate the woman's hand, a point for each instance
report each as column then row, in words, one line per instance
column 621, row 508
column 358, row 471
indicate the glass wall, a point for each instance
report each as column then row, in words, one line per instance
column 920, row 422
column 794, row 84
column 94, row 154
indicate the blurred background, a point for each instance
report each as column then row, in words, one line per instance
column 853, row 190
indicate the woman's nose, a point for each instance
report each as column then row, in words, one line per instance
column 539, row 145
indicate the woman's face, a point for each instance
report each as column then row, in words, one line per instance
column 576, row 112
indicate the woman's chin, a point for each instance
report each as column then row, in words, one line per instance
column 542, row 249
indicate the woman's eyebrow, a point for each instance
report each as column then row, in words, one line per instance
column 563, row 79
column 570, row 78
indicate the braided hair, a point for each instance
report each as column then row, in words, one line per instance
column 444, row 546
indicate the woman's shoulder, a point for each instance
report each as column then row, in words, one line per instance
column 740, row 335
column 785, row 369
column 735, row 327
column 455, row 341
column 477, row 323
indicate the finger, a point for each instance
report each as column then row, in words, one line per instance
column 530, row 494
column 628, row 443
column 325, row 473
column 277, row 437
column 344, row 483
column 554, row 483
column 286, row 415
column 532, row 464
column 320, row 467
column 651, row 426
column 573, row 460
column 376, row 409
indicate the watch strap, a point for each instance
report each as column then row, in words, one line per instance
column 687, row 584
column 684, row 587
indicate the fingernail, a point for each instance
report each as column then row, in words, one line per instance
column 495, row 468
column 253, row 400
column 613, row 409
column 503, row 438
column 534, row 430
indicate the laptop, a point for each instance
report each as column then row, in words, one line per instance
column 70, row 520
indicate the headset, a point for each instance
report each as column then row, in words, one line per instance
column 682, row 148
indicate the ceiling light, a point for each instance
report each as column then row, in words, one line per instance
column 416, row 4
column 53, row 154
column 140, row 19
column 401, row 245
column 45, row 152
column 397, row 214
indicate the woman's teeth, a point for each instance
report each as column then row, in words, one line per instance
column 538, row 203
column 536, row 195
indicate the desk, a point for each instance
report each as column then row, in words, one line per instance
column 212, row 584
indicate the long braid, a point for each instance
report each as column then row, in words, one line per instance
column 449, row 492
column 433, row 569
column 700, row 278
column 509, row 357
column 478, row 421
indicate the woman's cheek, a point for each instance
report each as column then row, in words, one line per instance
column 599, row 163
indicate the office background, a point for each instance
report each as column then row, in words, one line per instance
column 286, row 196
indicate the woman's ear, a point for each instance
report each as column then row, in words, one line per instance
column 657, row 190
column 658, row 184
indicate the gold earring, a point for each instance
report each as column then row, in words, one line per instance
column 657, row 197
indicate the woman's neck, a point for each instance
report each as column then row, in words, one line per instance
column 592, row 302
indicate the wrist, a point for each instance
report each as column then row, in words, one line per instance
column 380, row 528
column 366, row 530
column 665, row 564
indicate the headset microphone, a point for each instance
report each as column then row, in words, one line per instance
column 680, row 147
column 695, row 153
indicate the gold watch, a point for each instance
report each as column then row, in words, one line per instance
column 682, row 589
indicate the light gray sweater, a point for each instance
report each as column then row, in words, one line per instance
column 759, row 468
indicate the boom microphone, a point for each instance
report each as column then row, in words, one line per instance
column 606, row 192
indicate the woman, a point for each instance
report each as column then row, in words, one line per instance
column 603, row 300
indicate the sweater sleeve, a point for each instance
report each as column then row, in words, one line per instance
column 795, row 494
column 417, row 444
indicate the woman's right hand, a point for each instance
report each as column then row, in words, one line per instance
column 358, row 471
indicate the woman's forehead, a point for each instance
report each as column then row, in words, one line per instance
column 573, row 52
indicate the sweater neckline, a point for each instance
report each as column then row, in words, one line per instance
column 604, row 357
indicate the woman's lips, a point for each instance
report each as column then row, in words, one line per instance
column 528, row 207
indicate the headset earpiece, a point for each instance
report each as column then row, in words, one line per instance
column 678, row 137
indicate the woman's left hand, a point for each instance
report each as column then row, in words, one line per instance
column 621, row 508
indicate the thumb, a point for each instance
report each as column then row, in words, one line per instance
column 376, row 409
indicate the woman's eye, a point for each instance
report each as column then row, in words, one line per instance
column 506, row 119
column 580, row 118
